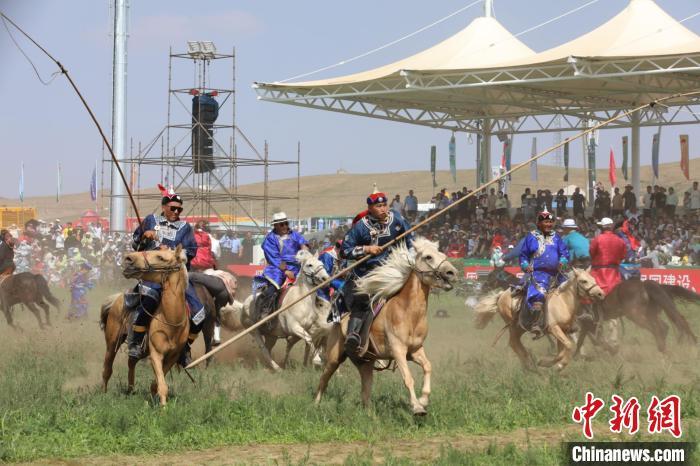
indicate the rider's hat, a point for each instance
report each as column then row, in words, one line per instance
column 279, row 217
column 605, row 222
column 545, row 215
column 376, row 197
column 169, row 195
column 569, row 223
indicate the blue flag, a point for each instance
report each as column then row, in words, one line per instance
column 21, row 182
column 93, row 185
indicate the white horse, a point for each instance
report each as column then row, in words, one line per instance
column 305, row 320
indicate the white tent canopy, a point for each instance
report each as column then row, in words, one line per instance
column 485, row 80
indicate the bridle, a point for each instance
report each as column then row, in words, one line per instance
column 164, row 271
column 586, row 291
column 314, row 273
column 434, row 271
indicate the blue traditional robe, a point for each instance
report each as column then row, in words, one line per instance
column 545, row 253
column 370, row 232
column 333, row 264
column 170, row 234
column 279, row 249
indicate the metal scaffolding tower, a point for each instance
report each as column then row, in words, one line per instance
column 208, row 193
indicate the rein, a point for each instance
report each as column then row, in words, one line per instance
column 165, row 271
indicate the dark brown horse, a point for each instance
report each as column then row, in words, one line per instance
column 642, row 302
column 30, row 290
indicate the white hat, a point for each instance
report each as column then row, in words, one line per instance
column 569, row 223
column 279, row 217
column 605, row 222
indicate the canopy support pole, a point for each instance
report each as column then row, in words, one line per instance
column 488, row 8
column 486, row 153
column 635, row 117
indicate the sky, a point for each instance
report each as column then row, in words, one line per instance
column 43, row 125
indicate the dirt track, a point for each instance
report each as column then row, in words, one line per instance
column 423, row 450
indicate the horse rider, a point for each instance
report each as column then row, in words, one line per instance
column 164, row 231
column 205, row 259
column 375, row 228
column 280, row 247
column 607, row 253
column 578, row 245
column 333, row 263
column 7, row 253
column 543, row 257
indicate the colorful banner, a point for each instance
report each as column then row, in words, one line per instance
column 566, row 161
column 655, row 154
column 58, row 181
column 479, row 168
column 453, row 158
column 21, row 182
column 433, row 162
column 611, row 169
column 507, row 155
column 625, row 142
column 685, row 157
column 591, row 163
column 93, row 185
column 533, row 164
column 686, row 277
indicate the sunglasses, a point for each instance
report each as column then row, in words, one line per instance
column 175, row 209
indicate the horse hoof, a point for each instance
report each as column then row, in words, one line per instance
column 419, row 411
column 424, row 401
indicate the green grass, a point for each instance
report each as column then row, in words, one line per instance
column 51, row 404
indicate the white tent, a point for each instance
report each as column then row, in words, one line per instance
column 485, row 80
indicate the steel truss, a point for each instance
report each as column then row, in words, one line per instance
column 517, row 100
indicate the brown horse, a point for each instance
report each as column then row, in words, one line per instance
column 168, row 330
column 400, row 329
column 562, row 306
column 30, row 290
column 642, row 302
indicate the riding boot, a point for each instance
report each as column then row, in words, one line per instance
column 537, row 318
column 135, row 341
column 353, row 339
column 186, row 354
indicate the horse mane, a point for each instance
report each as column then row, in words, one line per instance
column 387, row 280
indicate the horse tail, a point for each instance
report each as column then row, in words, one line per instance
column 104, row 310
column 486, row 308
column 231, row 315
column 45, row 292
column 679, row 292
column 661, row 296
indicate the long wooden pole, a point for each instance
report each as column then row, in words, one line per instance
column 524, row 164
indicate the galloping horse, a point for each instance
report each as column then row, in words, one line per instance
column 400, row 329
column 562, row 306
column 168, row 330
column 642, row 302
column 305, row 320
column 30, row 290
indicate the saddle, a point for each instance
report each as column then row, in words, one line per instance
column 367, row 350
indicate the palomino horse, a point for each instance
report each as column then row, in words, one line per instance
column 400, row 329
column 305, row 320
column 561, row 309
column 168, row 330
column 30, row 290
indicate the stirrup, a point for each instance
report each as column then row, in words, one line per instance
column 352, row 343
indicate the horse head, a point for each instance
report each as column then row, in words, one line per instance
column 586, row 286
column 311, row 269
column 432, row 266
column 154, row 265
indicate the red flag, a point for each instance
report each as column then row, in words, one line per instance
column 612, row 174
column 685, row 158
